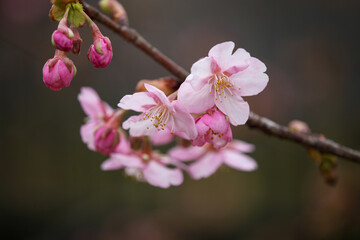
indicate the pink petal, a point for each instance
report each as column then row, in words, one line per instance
column 161, row 176
column 91, row 103
column 161, row 137
column 124, row 145
column 218, row 141
column 196, row 101
column 183, row 121
column 217, row 122
column 139, row 127
column 206, row 166
column 242, row 146
column 160, row 95
column 118, row 161
column 202, row 130
column 237, row 62
column 87, row 133
column 252, row 80
column 138, row 102
column 201, row 72
column 222, row 54
column 235, row 108
column 186, row 153
column 239, row 161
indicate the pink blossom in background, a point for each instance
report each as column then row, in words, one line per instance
column 145, row 167
column 158, row 114
column 98, row 113
column 106, row 139
column 206, row 160
column 222, row 79
column 161, row 137
column 213, row 128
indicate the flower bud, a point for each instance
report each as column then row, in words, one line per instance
column 62, row 37
column 213, row 128
column 100, row 53
column 58, row 71
column 77, row 41
column 106, row 139
column 116, row 10
column 166, row 84
column 299, row 127
column 61, row 41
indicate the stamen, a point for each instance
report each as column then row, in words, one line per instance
column 159, row 116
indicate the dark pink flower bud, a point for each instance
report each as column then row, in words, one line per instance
column 213, row 128
column 62, row 38
column 106, row 139
column 77, row 41
column 62, row 41
column 100, row 53
column 58, row 71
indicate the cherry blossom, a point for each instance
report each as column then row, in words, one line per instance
column 213, row 128
column 145, row 167
column 98, row 113
column 208, row 160
column 222, row 79
column 158, row 113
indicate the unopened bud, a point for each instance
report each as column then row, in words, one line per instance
column 100, row 52
column 62, row 41
column 77, row 41
column 58, row 71
column 299, row 127
column 62, row 38
column 116, row 10
column 167, row 84
column 106, row 139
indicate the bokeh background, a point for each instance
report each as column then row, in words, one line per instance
column 52, row 186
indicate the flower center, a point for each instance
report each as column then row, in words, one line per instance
column 159, row 116
column 222, row 86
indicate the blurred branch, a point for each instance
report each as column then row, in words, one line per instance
column 255, row 121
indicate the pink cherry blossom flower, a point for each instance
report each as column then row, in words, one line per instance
column 58, row 71
column 99, row 113
column 158, row 114
column 208, row 159
column 213, row 128
column 145, row 167
column 222, row 79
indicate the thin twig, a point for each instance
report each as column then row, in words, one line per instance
column 255, row 121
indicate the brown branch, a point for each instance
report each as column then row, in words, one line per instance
column 255, row 121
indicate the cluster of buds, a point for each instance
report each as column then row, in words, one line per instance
column 199, row 115
column 66, row 39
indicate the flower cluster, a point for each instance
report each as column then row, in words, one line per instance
column 199, row 115
column 60, row 70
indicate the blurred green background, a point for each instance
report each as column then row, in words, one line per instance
column 52, row 186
